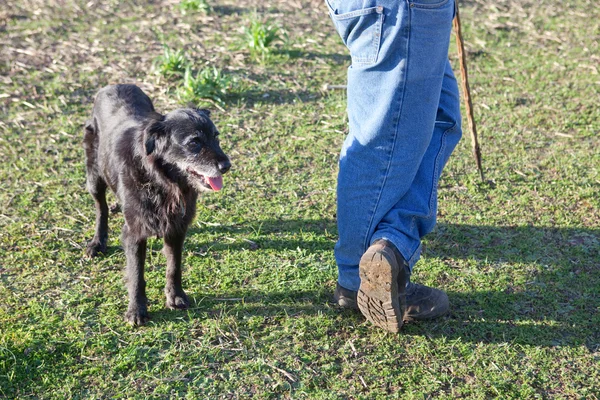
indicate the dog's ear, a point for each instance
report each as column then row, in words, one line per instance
column 203, row 111
column 153, row 132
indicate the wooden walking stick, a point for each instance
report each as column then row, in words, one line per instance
column 462, row 57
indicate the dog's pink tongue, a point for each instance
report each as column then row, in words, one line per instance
column 215, row 183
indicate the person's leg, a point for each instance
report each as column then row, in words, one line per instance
column 414, row 215
column 399, row 52
column 419, row 205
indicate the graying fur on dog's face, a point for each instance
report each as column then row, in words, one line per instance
column 194, row 148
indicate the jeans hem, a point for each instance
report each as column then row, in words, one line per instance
column 410, row 256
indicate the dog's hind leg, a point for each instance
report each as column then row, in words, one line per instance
column 135, row 252
column 176, row 297
column 97, row 188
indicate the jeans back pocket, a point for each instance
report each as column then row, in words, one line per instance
column 430, row 4
column 360, row 30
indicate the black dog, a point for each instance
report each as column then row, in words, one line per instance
column 156, row 165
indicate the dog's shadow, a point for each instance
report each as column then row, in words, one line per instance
column 554, row 306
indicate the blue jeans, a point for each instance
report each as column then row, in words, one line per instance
column 404, row 117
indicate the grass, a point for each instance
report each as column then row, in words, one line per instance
column 172, row 63
column 207, row 84
column 260, row 36
column 517, row 254
column 191, row 6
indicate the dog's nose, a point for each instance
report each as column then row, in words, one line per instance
column 224, row 166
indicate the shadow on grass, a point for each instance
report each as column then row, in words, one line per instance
column 477, row 317
column 336, row 58
column 491, row 244
column 557, row 305
column 262, row 94
column 228, row 10
column 496, row 317
column 251, row 97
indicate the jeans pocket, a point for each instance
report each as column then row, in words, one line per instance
column 360, row 30
column 431, row 4
column 433, row 14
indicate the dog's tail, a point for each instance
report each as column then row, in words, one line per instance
column 90, row 140
column 89, row 128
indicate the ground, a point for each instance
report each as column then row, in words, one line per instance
column 517, row 253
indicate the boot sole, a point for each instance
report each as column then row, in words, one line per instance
column 378, row 296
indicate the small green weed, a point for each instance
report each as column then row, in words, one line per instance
column 171, row 62
column 260, row 36
column 208, row 83
column 191, row 6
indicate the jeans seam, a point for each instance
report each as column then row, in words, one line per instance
column 394, row 138
column 437, row 169
column 358, row 13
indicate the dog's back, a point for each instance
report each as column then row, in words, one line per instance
column 118, row 102
column 118, row 113
column 117, row 108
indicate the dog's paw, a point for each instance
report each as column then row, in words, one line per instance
column 137, row 316
column 115, row 208
column 176, row 299
column 94, row 248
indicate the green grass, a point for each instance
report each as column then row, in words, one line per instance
column 207, row 84
column 518, row 254
column 191, row 6
column 172, row 63
column 261, row 36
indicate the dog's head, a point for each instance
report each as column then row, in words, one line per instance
column 188, row 140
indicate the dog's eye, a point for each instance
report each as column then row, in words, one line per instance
column 195, row 144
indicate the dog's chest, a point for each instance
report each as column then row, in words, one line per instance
column 164, row 213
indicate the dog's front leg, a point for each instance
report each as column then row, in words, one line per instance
column 176, row 297
column 135, row 252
